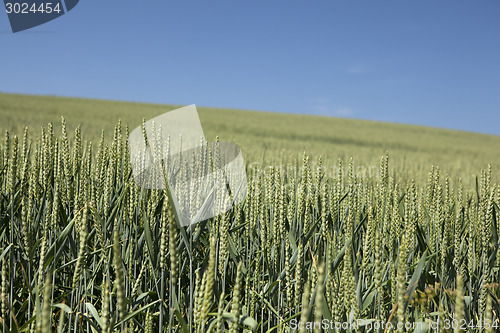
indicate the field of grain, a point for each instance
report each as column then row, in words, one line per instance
column 268, row 138
column 319, row 238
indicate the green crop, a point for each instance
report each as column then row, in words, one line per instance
column 84, row 249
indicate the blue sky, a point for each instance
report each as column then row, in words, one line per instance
column 434, row 63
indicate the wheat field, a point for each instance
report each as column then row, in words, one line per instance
column 84, row 249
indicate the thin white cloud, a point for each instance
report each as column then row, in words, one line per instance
column 321, row 100
column 358, row 69
column 324, row 106
column 343, row 112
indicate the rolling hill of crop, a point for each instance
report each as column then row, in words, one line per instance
column 85, row 246
column 269, row 137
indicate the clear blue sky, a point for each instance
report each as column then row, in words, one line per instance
column 434, row 63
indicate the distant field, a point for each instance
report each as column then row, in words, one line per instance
column 84, row 248
column 269, row 137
